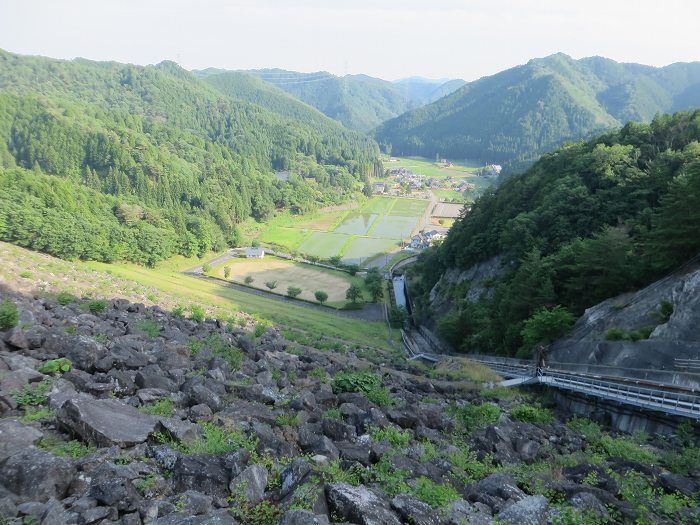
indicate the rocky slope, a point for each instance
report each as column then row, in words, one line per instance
column 115, row 413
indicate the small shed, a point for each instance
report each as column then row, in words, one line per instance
column 254, row 253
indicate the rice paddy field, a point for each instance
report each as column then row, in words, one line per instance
column 358, row 235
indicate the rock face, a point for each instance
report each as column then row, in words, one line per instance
column 670, row 339
column 249, row 430
column 106, row 422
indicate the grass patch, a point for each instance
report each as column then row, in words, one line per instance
column 162, row 407
column 366, row 383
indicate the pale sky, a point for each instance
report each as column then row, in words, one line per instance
column 389, row 39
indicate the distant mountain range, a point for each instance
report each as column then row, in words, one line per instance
column 522, row 112
column 359, row 102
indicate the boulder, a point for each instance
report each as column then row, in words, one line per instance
column 299, row 517
column 203, row 473
column 359, row 505
column 217, row 517
column 116, row 492
column 106, row 422
column 414, row 511
column 14, row 437
column 293, row 475
column 37, row 475
column 251, row 483
column 531, row 510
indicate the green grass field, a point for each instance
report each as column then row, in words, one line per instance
column 287, row 238
column 288, row 273
column 324, row 244
column 429, row 168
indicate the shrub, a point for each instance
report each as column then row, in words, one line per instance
column 531, row 414
column 227, row 272
column 162, row 407
column 196, row 313
column 395, row 436
column 473, row 417
column 56, row 366
column 36, row 414
column 354, row 293
column 33, row 394
column 332, row 413
column 248, row 279
column 73, row 449
column 65, row 298
column 9, row 315
column 215, row 440
column 26, row 274
column 665, row 309
column 589, row 429
column 293, row 291
column 433, row 494
column 149, row 327
column 206, row 268
column 364, row 382
column 287, row 420
column 616, row 334
column 177, row 311
column 321, row 296
column 261, row 327
column 271, row 285
column 96, row 306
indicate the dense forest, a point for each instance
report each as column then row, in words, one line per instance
column 146, row 152
column 585, row 223
column 518, row 114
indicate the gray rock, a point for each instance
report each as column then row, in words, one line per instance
column 359, row 505
column 531, row 510
column 164, row 456
column 414, row 511
column 460, row 512
column 217, row 517
column 355, row 452
column 293, row 475
column 16, row 339
column 118, row 492
column 299, row 517
column 251, row 483
column 56, row 514
column 183, row 431
column 106, row 422
column 194, row 503
column 338, row 431
column 325, row 447
column 37, row 474
column 97, row 514
column 237, row 461
column 200, row 413
column 203, row 473
column 7, row 508
column 201, row 395
column 14, row 436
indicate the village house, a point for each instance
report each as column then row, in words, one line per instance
column 254, row 253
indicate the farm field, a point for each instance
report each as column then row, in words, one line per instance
column 289, row 273
column 356, row 235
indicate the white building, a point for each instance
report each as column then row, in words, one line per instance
column 254, row 253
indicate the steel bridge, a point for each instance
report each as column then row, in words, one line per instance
column 664, row 397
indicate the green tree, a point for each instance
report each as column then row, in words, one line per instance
column 227, row 272
column 271, row 285
column 321, row 296
column 293, row 291
column 547, row 325
column 248, row 279
column 376, row 288
column 354, row 293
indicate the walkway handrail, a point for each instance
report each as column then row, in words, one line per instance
column 672, row 399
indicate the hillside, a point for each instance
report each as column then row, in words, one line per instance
column 585, row 223
column 151, row 161
column 116, row 412
column 249, row 88
column 359, row 102
column 518, row 114
column 421, row 91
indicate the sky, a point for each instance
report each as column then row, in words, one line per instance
column 389, row 39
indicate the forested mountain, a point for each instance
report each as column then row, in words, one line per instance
column 585, row 223
column 522, row 112
column 359, row 102
column 152, row 161
column 249, row 88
